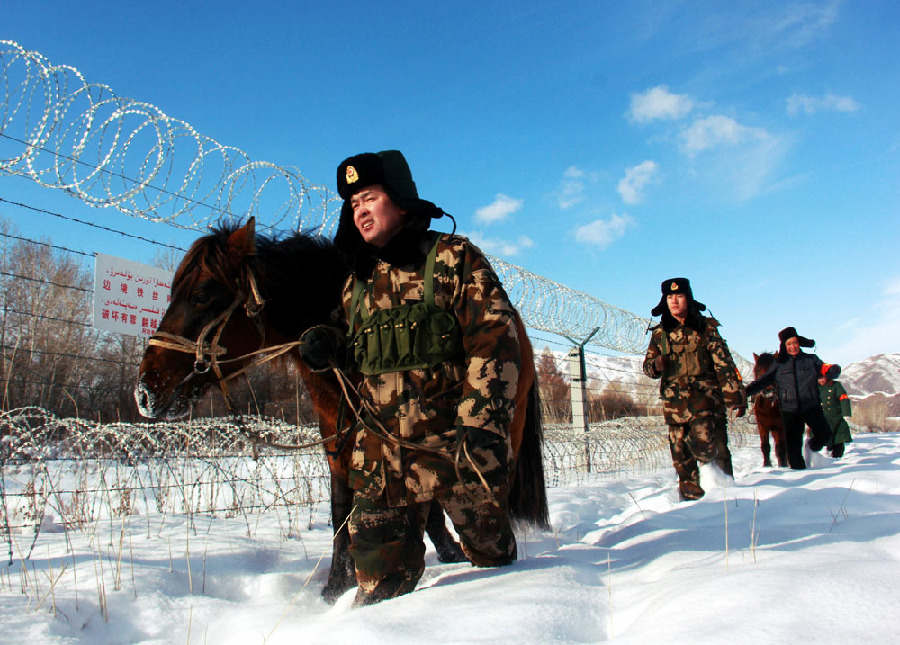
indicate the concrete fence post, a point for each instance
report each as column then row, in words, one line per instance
column 578, row 393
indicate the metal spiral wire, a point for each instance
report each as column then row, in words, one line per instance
column 63, row 132
column 556, row 308
column 66, row 133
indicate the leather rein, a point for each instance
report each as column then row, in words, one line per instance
column 206, row 357
column 207, row 354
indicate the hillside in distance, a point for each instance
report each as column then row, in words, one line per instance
column 879, row 373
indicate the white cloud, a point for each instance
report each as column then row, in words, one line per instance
column 798, row 24
column 803, row 103
column 893, row 287
column 571, row 188
column 658, row 103
column 753, row 28
column 877, row 333
column 718, row 130
column 636, row 178
column 496, row 246
column 502, row 207
column 603, row 232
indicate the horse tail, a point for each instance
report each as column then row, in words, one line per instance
column 528, row 493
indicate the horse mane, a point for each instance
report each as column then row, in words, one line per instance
column 296, row 273
column 207, row 252
column 763, row 362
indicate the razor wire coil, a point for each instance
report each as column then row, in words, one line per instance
column 66, row 133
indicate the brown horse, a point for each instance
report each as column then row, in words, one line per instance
column 235, row 295
column 768, row 414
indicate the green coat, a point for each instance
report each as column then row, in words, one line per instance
column 699, row 378
column 836, row 406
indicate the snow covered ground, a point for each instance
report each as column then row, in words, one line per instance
column 777, row 556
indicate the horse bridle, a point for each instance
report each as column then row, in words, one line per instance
column 206, row 354
column 253, row 305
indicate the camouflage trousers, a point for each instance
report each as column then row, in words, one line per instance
column 704, row 439
column 387, row 543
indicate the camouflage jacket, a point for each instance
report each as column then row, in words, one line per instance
column 429, row 407
column 699, row 377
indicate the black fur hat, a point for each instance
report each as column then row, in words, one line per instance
column 676, row 285
column 389, row 169
column 790, row 332
column 787, row 333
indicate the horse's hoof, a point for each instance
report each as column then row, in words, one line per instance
column 450, row 553
column 690, row 491
column 330, row 593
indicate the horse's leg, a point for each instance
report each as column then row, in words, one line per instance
column 780, row 445
column 448, row 549
column 764, row 445
column 342, row 575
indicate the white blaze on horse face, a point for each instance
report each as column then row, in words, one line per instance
column 375, row 215
column 145, row 399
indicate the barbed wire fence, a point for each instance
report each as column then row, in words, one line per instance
column 65, row 474
column 66, row 134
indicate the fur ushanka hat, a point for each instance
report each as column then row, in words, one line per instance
column 787, row 333
column 676, row 285
column 693, row 318
column 790, row 332
column 388, row 168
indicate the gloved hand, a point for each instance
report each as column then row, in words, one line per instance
column 481, row 456
column 659, row 363
column 739, row 410
column 476, row 437
column 321, row 347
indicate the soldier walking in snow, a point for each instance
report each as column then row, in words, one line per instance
column 433, row 335
column 698, row 379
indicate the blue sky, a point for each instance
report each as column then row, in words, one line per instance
column 753, row 147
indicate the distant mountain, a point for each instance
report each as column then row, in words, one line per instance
column 879, row 373
column 625, row 373
column 876, row 374
column 873, row 383
column 874, row 388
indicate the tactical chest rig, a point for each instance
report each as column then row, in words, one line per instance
column 416, row 335
column 688, row 358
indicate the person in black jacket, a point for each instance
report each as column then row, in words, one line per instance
column 795, row 374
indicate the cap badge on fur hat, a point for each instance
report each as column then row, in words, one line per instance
column 679, row 286
column 352, row 175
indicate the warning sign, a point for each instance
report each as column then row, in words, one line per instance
column 129, row 297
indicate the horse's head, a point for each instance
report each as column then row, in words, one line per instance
column 209, row 327
column 762, row 362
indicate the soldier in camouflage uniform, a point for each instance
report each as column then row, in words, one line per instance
column 698, row 380
column 432, row 333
